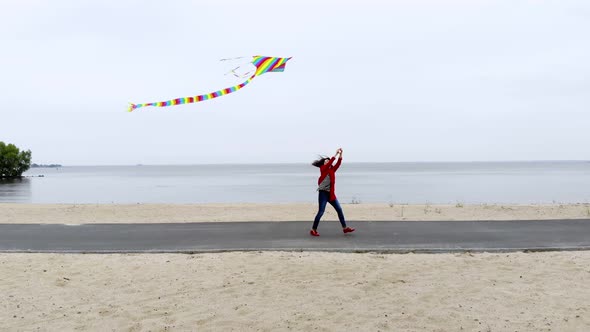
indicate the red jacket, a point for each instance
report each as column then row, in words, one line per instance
column 330, row 170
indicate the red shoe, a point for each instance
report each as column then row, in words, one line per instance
column 348, row 230
column 314, row 233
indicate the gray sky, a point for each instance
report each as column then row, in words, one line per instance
column 385, row 80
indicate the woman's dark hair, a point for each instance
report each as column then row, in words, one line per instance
column 320, row 162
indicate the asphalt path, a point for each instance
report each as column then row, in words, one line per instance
column 370, row 236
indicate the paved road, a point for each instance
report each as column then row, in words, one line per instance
column 380, row 236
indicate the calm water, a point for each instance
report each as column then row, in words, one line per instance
column 502, row 182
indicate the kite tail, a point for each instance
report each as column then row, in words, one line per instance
column 195, row 99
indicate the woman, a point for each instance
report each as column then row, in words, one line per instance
column 326, row 186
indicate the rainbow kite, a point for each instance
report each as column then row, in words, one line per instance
column 264, row 64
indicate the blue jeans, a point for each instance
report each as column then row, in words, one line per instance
column 323, row 199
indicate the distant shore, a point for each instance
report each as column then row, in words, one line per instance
column 244, row 212
column 45, row 165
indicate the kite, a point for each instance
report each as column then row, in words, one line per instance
column 263, row 64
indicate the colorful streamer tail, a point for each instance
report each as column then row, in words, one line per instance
column 195, row 99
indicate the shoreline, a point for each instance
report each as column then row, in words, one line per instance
column 12, row 213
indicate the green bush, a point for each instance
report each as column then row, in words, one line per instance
column 13, row 162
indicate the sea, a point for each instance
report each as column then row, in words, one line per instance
column 535, row 182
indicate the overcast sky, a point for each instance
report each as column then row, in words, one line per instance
column 385, row 80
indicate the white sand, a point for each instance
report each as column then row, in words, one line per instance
column 284, row 291
column 161, row 213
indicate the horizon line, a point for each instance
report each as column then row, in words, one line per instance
column 299, row 163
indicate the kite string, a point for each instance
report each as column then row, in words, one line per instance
column 235, row 73
column 238, row 66
column 236, row 58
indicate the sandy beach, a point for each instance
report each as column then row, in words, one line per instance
column 298, row 291
column 163, row 213
column 270, row 291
